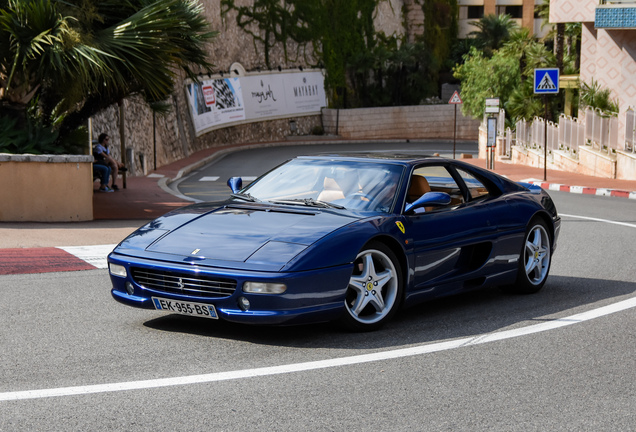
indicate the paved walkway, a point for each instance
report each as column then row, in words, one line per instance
column 43, row 247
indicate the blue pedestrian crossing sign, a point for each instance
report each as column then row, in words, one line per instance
column 546, row 81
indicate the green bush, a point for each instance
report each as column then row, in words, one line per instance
column 34, row 138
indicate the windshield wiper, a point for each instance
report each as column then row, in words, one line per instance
column 310, row 202
column 244, row 196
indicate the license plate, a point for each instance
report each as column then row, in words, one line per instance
column 185, row 308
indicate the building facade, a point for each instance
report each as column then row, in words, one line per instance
column 521, row 11
column 608, row 45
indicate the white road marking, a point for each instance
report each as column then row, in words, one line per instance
column 322, row 364
column 94, row 255
column 337, row 362
column 600, row 220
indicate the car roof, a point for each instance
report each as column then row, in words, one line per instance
column 377, row 156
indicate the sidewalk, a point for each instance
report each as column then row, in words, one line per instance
column 145, row 198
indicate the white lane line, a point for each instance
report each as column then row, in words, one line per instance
column 322, row 364
column 599, row 220
column 94, row 255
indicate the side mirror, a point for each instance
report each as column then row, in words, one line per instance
column 430, row 199
column 235, row 183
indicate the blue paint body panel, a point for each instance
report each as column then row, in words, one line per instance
column 310, row 246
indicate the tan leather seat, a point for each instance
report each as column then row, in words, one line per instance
column 331, row 191
column 419, row 186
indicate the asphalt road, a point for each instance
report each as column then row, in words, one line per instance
column 562, row 359
column 209, row 182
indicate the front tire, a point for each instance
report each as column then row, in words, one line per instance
column 535, row 259
column 375, row 288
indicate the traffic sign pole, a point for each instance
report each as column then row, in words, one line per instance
column 545, row 140
column 455, row 131
column 455, row 100
column 546, row 81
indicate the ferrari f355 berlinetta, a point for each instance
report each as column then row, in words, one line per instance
column 348, row 237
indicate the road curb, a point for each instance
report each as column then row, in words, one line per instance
column 618, row 193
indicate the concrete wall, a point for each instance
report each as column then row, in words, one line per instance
column 46, row 188
column 410, row 122
column 625, row 165
column 564, row 11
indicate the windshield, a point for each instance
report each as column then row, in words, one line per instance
column 365, row 186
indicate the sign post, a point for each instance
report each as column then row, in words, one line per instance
column 455, row 100
column 492, row 107
column 491, row 142
column 546, row 81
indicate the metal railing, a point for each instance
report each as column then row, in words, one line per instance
column 630, row 130
column 596, row 129
column 508, row 142
column 571, row 134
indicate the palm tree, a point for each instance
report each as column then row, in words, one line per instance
column 494, row 31
column 568, row 34
column 595, row 96
column 67, row 60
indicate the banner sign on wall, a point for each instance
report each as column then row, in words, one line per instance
column 215, row 102
column 222, row 102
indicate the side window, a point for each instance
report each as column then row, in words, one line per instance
column 437, row 179
column 475, row 187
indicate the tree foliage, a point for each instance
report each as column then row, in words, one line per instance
column 493, row 31
column 484, row 78
column 363, row 67
column 440, row 28
column 508, row 75
column 565, row 37
column 61, row 62
column 595, row 96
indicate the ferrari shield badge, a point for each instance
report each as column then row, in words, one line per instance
column 400, row 225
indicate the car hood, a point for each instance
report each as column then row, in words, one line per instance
column 264, row 237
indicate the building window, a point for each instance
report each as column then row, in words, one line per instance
column 515, row 12
column 475, row 12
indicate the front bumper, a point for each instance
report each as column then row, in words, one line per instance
column 311, row 296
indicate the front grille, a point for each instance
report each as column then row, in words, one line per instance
column 194, row 284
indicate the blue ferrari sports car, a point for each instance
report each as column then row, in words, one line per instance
column 349, row 237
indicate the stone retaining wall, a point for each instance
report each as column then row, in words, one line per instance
column 410, row 122
column 171, row 137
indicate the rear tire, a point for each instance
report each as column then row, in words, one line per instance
column 375, row 289
column 535, row 259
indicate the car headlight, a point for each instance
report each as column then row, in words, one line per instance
column 264, row 288
column 117, row 270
